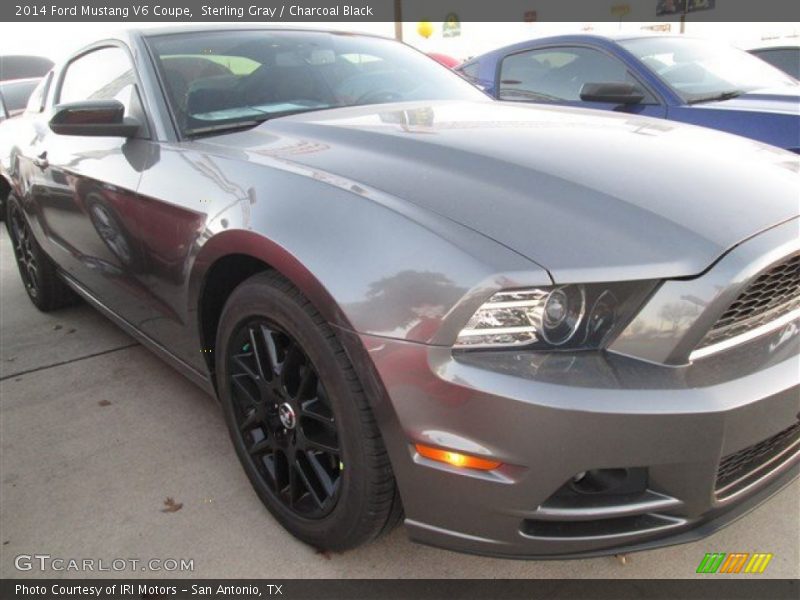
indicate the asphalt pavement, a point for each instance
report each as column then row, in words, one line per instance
column 96, row 434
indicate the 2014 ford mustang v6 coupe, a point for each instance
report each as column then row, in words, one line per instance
column 531, row 331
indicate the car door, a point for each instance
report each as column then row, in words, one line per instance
column 85, row 197
column 557, row 75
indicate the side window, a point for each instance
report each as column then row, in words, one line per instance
column 558, row 74
column 39, row 95
column 787, row 60
column 470, row 71
column 104, row 74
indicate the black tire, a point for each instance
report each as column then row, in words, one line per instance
column 356, row 500
column 39, row 275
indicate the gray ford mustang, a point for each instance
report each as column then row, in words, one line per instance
column 528, row 331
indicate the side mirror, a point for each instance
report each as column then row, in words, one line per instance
column 614, row 93
column 93, row 117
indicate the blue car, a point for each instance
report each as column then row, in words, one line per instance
column 672, row 77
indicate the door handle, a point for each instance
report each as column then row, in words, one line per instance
column 41, row 161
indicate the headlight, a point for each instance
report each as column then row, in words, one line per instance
column 559, row 317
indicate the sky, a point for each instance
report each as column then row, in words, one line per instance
column 56, row 40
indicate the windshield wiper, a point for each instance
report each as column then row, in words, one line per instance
column 225, row 127
column 717, row 97
column 250, row 123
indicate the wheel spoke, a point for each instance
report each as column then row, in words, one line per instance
column 316, row 444
column 239, row 360
column 307, row 380
column 260, row 447
column 293, row 354
column 242, row 387
column 307, row 411
column 283, row 479
column 307, row 483
column 321, row 474
column 272, row 350
column 250, row 421
column 293, row 483
column 269, row 465
column 322, row 396
column 254, row 342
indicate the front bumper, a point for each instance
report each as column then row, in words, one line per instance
column 641, row 409
column 548, row 419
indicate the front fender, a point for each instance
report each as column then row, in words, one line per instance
column 367, row 260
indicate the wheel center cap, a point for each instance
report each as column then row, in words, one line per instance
column 287, row 416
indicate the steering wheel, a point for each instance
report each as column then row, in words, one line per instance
column 378, row 96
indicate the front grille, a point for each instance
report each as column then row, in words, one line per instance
column 741, row 468
column 770, row 296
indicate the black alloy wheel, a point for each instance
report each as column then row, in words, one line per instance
column 300, row 421
column 45, row 288
column 24, row 250
column 285, row 418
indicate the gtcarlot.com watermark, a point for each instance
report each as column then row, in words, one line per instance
column 46, row 562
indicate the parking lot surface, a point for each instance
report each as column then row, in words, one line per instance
column 96, row 433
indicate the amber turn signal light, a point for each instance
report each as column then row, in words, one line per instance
column 457, row 459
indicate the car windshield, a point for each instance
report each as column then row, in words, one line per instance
column 222, row 80
column 703, row 70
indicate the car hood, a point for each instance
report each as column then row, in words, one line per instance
column 588, row 195
column 785, row 100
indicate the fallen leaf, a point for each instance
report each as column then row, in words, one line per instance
column 171, row 506
column 57, row 327
column 71, row 330
column 324, row 553
column 622, row 558
column 104, row 403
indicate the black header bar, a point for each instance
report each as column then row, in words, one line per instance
column 707, row 586
column 298, row 11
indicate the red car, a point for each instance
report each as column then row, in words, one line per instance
column 447, row 61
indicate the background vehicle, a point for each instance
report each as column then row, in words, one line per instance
column 557, row 352
column 446, row 60
column 23, row 66
column 15, row 94
column 785, row 58
column 677, row 78
column 19, row 76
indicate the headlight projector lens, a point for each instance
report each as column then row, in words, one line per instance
column 563, row 311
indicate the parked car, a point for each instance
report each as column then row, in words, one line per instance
column 23, row 67
column 19, row 76
column 529, row 330
column 15, row 95
column 678, row 78
column 785, row 58
column 445, row 59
